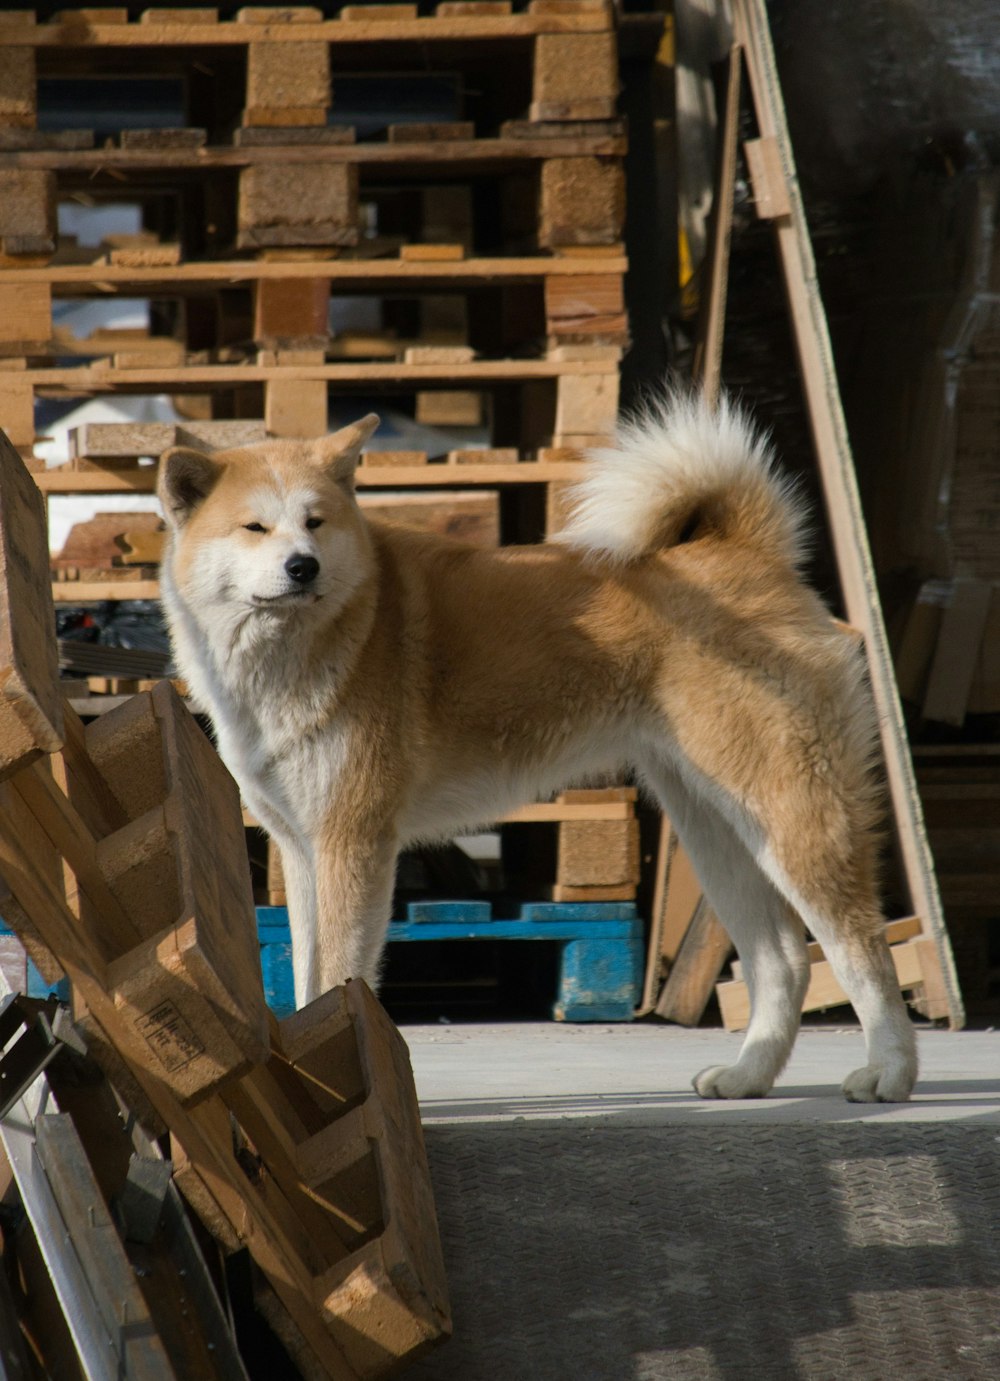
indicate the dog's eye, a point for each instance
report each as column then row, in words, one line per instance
column 313, row 523
column 254, row 527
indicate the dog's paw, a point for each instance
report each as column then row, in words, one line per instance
column 875, row 1084
column 730, row 1081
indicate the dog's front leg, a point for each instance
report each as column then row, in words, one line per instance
column 354, row 882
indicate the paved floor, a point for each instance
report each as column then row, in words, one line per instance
column 641, row 1074
column 601, row 1223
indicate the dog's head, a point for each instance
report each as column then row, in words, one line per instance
column 270, row 527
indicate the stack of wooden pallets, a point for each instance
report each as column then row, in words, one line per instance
column 122, row 853
column 297, row 252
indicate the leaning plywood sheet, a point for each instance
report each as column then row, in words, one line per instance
column 30, row 707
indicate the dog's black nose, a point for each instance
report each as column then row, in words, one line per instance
column 302, row 568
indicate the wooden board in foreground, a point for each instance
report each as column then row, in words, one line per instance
column 30, row 705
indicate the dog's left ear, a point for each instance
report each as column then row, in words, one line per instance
column 185, row 480
column 339, row 453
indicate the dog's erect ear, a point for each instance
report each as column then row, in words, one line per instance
column 339, row 453
column 186, row 479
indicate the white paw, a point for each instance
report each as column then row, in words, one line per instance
column 874, row 1084
column 730, row 1081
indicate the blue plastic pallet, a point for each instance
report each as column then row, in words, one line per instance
column 601, row 949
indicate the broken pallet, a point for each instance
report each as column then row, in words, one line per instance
column 124, row 857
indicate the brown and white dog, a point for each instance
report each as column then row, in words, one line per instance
column 371, row 687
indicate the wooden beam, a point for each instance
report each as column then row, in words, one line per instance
column 843, row 504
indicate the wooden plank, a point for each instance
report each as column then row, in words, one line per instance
column 957, row 653
column 110, row 1274
column 465, row 23
column 704, row 950
column 467, row 270
column 471, row 516
column 82, row 380
column 94, row 591
column 31, row 716
column 375, row 476
column 563, row 892
column 770, row 193
column 839, row 482
column 707, row 364
column 823, row 990
column 129, row 440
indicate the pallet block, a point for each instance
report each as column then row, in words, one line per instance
column 582, row 202
column 575, row 77
column 298, row 204
column 27, row 211
column 287, row 84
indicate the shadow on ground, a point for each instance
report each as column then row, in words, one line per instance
column 588, row 1251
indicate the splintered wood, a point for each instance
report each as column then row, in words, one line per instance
column 124, row 857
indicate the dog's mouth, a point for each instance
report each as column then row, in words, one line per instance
column 288, row 597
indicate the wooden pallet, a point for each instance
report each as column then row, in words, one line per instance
column 574, row 298
column 574, row 392
column 116, row 874
column 562, row 54
column 600, row 948
column 566, row 190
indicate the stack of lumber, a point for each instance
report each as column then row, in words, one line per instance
column 482, row 249
column 122, row 851
column 495, row 262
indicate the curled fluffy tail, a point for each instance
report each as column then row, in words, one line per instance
column 682, row 470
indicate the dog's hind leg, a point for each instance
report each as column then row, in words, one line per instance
column 839, row 906
column 766, row 931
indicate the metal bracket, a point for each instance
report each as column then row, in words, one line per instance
column 34, row 1049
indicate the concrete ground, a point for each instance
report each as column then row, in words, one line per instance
column 602, row 1223
column 642, row 1074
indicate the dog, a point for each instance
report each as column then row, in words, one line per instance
column 372, row 687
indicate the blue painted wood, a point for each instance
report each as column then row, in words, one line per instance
column 549, row 911
column 35, row 985
column 276, row 971
column 449, row 912
column 601, row 960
